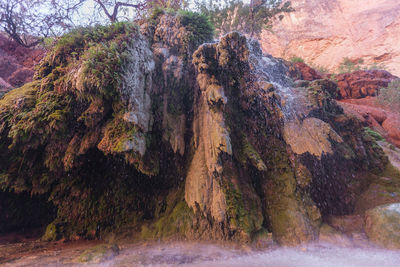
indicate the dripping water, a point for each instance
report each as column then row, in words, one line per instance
column 274, row 71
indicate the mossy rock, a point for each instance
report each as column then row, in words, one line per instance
column 382, row 225
column 51, row 233
column 99, row 254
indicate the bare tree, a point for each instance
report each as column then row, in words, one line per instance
column 116, row 10
column 112, row 8
column 28, row 21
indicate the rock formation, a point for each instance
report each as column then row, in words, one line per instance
column 359, row 84
column 324, row 32
column 155, row 129
column 17, row 63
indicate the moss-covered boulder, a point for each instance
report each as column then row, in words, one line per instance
column 138, row 128
column 383, row 225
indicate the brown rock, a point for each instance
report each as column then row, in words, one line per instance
column 392, row 126
column 347, row 224
column 20, row 77
column 376, row 195
column 330, row 235
column 307, row 73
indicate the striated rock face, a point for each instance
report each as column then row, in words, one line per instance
column 139, row 127
column 323, row 32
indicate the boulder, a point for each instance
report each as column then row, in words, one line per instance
column 376, row 195
column 382, row 225
column 307, row 73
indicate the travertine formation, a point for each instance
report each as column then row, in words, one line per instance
column 144, row 128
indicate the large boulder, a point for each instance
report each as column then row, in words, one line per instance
column 382, row 225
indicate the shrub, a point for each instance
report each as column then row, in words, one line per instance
column 295, row 59
column 349, row 65
column 373, row 134
column 390, row 96
column 200, row 28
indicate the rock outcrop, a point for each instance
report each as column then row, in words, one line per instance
column 307, row 73
column 360, row 84
column 381, row 119
column 154, row 128
column 324, row 32
column 17, row 63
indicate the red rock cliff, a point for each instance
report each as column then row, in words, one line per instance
column 323, row 32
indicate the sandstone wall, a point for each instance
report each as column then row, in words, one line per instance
column 323, row 32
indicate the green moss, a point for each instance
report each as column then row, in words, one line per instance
column 98, row 253
column 392, row 172
column 50, row 233
column 198, row 25
column 375, row 135
column 175, row 221
column 26, row 94
column 246, row 152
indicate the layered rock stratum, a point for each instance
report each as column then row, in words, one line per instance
column 324, row 32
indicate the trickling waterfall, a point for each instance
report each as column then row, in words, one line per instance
column 274, row 71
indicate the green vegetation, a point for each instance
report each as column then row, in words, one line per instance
column 390, row 96
column 199, row 26
column 373, row 134
column 251, row 19
column 295, row 59
column 348, row 65
column 51, row 128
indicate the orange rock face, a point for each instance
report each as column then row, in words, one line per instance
column 323, row 32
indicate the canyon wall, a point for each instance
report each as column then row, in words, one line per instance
column 324, row 32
